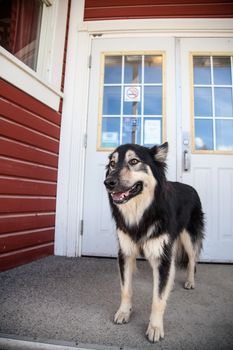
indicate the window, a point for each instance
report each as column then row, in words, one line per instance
column 213, row 102
column 20, row 26
column 131, row 107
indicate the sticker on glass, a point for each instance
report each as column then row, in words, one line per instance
column 132, row 94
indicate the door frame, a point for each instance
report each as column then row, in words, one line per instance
column 70, row 187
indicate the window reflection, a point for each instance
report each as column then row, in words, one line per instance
column 112, row 100
column 223, row 102
column 202, row 101
column 20, row 24
column 222, row 70
column 112, row 69
column 202, row 72
column 224, row 135
column 133, row 69
column 153, row 100
column 213, row 102
column 153, row 69
column 204, row 134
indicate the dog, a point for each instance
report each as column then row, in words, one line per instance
column 160, row 220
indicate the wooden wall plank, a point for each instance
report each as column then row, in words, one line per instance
column 18, row 132
column 20, row 98
column 114, row 9
column 29, row 119
column 23, row 256
column 26, row 221
column 11, row 148
column 16, row 168
column 147, row 3
column 17, row 186
column 20, row 240
column 22, row 204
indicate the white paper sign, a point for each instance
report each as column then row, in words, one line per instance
column 110, row 137
column 132, row 94
column 152, row 132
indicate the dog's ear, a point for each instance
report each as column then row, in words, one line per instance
column 160, row 152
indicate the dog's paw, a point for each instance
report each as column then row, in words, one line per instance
column 121, row 316
column 189, row 285
column 154, row 333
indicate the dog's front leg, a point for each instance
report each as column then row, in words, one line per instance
column 163, row 278
column 126, row 266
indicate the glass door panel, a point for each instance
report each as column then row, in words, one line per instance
column 131, row 107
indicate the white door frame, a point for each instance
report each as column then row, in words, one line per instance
column 69, row 209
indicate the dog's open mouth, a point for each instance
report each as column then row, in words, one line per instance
column 123, row 197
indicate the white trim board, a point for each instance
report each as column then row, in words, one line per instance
column 24, row 78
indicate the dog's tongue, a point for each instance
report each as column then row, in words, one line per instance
column 116, row 196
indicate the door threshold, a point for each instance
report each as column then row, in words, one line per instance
column 13, row 342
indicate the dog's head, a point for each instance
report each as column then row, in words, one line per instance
column 134, row 169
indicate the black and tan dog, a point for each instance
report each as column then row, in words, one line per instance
column 155, row 218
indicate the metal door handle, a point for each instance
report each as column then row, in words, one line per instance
column 186, row 160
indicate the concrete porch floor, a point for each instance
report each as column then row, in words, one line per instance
column 74, row 299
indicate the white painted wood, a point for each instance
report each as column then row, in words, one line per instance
column 71, row 156
column 211, row 174
column 196, row 27
column 99, row 230
column 45, row 83
column 21, row 76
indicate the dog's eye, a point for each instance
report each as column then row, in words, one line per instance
column 133, row 161
column 112, row 164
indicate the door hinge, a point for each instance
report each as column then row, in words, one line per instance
column 89, row 61
column 81, row 227
column 85, row 141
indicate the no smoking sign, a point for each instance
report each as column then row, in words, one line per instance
column 132, row 94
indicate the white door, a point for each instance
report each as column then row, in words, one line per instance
column 150, row 90
column 206, row 68
column 131, row 99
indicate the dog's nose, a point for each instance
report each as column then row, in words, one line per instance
column 110, row 183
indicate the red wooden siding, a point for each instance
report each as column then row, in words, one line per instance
column 29, row 145
column 126, row 9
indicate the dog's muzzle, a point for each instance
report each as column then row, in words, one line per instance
column 122, row 195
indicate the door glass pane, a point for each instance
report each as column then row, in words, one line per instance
column 112, row 100
column 213, row 102
column 153, row 100
column 153, row 69
column 224, row 135
column 222, row 70
column 202, row 72
column 112, row 70
column 132, row 108
column 110, row 135
column 223, row 102
column 132, row 100
column 203, row 134
column 131, row 130
column 133, row 69
column 202, row 101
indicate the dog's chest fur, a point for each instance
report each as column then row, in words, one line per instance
column 150, row 247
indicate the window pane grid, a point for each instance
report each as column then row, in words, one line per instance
column 132, row 114
column 213, row 102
